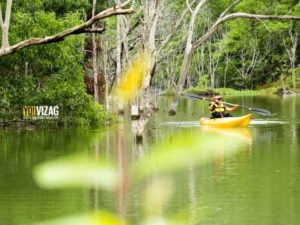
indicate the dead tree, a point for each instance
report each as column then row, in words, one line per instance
column 95, row 64
column 191, row 46
column 152, row 11
column 291, row 51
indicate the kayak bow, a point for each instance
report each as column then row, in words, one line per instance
column 225, row 122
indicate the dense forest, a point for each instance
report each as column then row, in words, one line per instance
column 244, row 45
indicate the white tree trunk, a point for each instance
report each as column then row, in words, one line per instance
column 293, row 55
column 95, row 64
column 151, row 14
column 189, row 50
column 120, row 30
column 5, row 25
column 119, row 45
column 183, row 75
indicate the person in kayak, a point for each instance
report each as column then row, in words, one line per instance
column 219, row 110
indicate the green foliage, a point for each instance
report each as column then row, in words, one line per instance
column 240, row 42
column 202, row 91
column 54, row 71
column 288, row 81
column 202, row 81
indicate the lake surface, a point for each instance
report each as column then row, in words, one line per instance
column 256, row 183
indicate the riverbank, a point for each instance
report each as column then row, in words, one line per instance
column 233, row 92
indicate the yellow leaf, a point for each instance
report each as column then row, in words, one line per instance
column 132, row 79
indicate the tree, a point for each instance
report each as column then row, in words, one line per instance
column 95, row 64
column 5, row 24
column 191, row 46
column 291, row 51
column 6, row 49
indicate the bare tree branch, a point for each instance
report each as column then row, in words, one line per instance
column 8, row 12
column 1, row 17
column 229, row 8
column 117, row 10
column 175, row 28
column 189, row 6
column 265, row 25
column 210, row 32
column 135, row 25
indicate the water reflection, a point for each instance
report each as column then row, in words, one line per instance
column 181, row 174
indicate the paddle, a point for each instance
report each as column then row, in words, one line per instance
column 262, row 112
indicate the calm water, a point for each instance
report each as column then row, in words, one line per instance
column 257, row 184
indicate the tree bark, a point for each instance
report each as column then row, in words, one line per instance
column 117, row 10
column 151, row 14
column 292, row 53
column 121, row 36
column 119, row 45
column 189, row 50
column 95, row 65
column 5, row 25
column 183, row 75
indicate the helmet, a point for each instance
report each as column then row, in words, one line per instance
column 217, row 98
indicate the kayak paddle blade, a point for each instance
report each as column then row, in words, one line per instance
column 262, row 112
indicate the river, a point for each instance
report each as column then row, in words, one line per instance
column 256, row 183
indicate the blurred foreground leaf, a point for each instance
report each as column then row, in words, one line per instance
column 185, row 148
column 157, row 194
column 97, row 218
column 162, row 221
column 76, row 171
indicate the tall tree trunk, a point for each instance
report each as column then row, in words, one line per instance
column 151, row 14
column 105, row 65
column 189, row 50
column 5, row 25
column 183, row 75
column 119, row 55
column 95, row 64
column 293, row 55
column 122, row 49
column 26, row 69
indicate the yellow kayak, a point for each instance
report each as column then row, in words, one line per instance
column 225, row 122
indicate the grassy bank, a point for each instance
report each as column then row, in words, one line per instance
column 230, row 91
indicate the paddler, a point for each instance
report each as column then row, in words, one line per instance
column 219, row 110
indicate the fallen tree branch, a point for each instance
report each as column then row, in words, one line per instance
column 117, row 10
